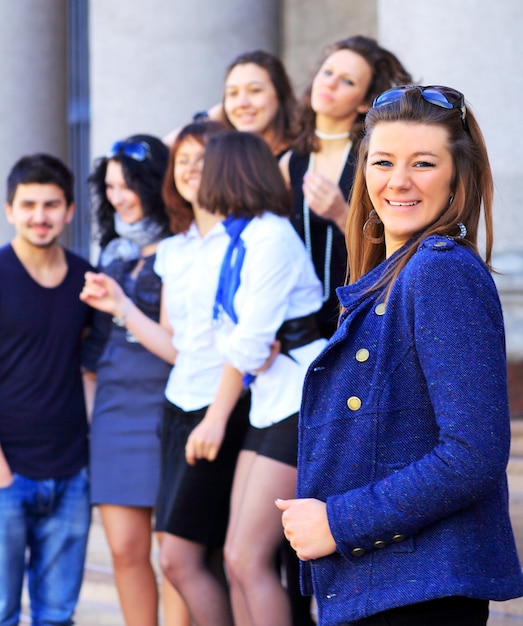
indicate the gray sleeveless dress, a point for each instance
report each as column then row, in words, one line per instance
column 125, row 447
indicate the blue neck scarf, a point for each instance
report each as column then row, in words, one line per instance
column 229, row 280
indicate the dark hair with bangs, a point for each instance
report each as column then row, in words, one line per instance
column 387, row 72
column 241, row 177
column 179, row 210
column 284, row 122
column 472, row 185
column 145, row 178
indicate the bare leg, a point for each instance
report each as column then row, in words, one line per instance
column 244, row 465
column 184, row 563
column 174, row 611
column 129, row 533
column 253, row 540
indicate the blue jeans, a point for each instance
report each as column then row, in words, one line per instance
column 50, row 519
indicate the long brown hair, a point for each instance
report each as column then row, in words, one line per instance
column 387, row 72
column 472, row 186
column 180, row 211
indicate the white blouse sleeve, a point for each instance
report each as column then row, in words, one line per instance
column 278, row 282
column 160, row 260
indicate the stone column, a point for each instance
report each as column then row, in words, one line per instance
column 154, row 64
column 476, row 47
column 33, row 76
column 308, row 26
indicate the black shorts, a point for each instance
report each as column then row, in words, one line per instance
column 278, row 441
column 193, row 500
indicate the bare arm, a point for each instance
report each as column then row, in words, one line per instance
column 156, row 337
column 325, row 199
column 170, row 138
column 104, row 293
column 215, row 113
column 205, row 440
column 284, row 167
column 6, row 476
column 323, row 196
column 89, row 382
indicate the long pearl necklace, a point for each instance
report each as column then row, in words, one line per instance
column 329, row 233
column 329, row 137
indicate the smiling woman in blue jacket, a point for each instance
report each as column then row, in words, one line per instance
column 401, row 516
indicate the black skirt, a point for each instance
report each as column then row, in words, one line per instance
column 193, row 500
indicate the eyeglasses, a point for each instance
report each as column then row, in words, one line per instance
column 137, row 150
column 444, row 97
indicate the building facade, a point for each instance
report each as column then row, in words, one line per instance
column 78, row 74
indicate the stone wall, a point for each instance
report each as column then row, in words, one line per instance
column 308, row 25
column 33, row 109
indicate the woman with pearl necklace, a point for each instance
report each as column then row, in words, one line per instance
column 320, row 166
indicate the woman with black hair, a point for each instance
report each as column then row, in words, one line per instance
column 126, row 186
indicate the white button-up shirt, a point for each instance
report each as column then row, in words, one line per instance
column 189, row 266
column 278, row 283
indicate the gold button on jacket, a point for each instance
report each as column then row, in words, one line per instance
column 362, row 355
column 354, row 403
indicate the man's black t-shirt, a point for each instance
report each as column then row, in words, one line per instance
column 43, row 426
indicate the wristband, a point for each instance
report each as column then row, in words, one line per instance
column 120, row 320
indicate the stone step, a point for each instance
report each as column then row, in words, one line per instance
column 516, row 428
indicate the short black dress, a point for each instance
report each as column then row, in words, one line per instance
column 193, row 500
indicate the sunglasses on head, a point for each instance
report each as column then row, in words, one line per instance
column 444, row 97
column 137, row 150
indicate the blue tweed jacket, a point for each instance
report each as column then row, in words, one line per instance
column 405, row 433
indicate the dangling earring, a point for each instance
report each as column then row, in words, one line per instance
column 462, row 231
column 373, row 220
column 451, row 200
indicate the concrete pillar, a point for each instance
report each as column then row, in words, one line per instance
column 309, row 25
column 154, row 64
column 476, row 47
column 33, row 76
